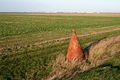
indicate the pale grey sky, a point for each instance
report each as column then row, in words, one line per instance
column 59, row 5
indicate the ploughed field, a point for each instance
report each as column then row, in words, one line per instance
column 28, row 43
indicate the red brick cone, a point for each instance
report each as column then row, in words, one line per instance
column 74, row 50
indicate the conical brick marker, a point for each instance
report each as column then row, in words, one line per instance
column 75, row 51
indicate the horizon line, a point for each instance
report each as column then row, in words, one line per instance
column 54, row 12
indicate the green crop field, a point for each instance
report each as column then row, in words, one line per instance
column 28, row 46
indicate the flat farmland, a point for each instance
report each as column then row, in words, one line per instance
column 30, row 42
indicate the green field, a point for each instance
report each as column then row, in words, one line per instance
column 23, row 57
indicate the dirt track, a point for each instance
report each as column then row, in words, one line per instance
column 66, row 38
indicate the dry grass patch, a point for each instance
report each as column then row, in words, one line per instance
column 106, row 47
column 63, row 69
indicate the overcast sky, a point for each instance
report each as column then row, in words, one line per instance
column 59, row 5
